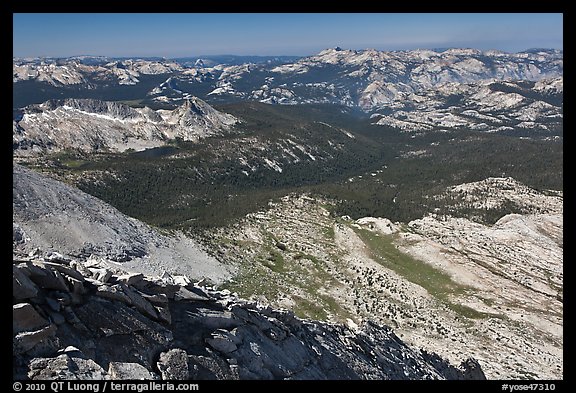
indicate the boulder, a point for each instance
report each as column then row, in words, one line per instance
column 26, row 318
column 131, row 278
column 66, row 367
column 102, row 275
column 71, row 350
column 65, row 270
column 185, row 294
column 471, row 370
column 216, row 319
column 77, row 289
column 22, row 286
column 181, row 280
column 157, row 287
column 199, row 291
column 122, row 371
column 79, row 266
column 113, row 292
column 221, row 344
column 114, row 318
column 57, row 257
column 139, row 302
column 210, row 368
column 167, row 277
column 157, row 300
column 46, row 277
column 174, row 364
column 35, row 252
column 25, row 341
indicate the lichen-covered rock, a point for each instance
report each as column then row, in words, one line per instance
column 119, row 370
column 66, row 367
column 173, row 364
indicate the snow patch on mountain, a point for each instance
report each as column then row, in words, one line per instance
column 93, row 125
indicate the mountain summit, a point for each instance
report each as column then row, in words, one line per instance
column 93, row 125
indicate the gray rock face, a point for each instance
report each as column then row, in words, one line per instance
column 50, row 213
column 25, row 317
column 53, row 213
column 113, row 331
column 22, row 286
column 483, row 106
column 75, row 72
column 195, row 119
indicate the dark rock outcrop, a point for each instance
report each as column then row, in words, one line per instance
column 137, row 327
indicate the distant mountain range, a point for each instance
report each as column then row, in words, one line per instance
column 419, row 90
column 366, row 78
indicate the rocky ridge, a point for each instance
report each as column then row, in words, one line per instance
column 75, row 72
column 93, row 125
column 495, row 192
column 87, row 319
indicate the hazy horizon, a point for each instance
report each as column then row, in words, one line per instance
column 255, row 55
column 196, row 35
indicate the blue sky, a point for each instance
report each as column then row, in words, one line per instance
column 179, row 35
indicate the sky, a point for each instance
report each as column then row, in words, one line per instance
column 301, row 34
